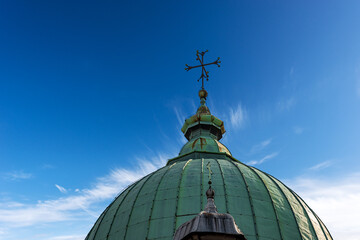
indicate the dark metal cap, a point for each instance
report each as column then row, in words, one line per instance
column 209, row 224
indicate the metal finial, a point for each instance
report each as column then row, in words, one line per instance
column 210, row 193
column 208, row 165
column 204, row 73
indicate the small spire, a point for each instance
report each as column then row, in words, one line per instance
column 209, row 224
column 203, row 109
column 203, row 94
column 210, row 205
column 210, row 194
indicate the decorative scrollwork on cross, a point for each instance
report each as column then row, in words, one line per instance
column 204, row 73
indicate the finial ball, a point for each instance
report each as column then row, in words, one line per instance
column 203, row 93
column 210, row 193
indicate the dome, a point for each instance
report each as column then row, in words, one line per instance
column 156, row 205
column 204, row 144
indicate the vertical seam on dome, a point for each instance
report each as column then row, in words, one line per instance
column 177, row 195
column 106, row 210
column 132, row 208
column 322, row 225
column 304, row 210
column 271, row 199
column 307, row 215
column 287, row 200
column 317, row 218
column 153, row 202
column 201, row 184
column 102, row 217
column 222, row 176
column 250, row 199
column 117, row 209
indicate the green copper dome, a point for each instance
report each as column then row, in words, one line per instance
column 156, row 205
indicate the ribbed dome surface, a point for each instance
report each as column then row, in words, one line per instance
column 156, row 205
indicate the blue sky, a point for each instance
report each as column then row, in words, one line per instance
column 93, row 95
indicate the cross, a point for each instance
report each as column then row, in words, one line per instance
column 204, row 73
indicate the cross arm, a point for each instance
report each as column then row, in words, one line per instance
column 217, row 62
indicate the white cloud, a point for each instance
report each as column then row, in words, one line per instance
column 335, row 201
column 321, row 165
column 238, row 116
column 80, row 204
column 180, row 116
column 17, row 175
column 61, row 189
column 267, row 157
column 286, row 104
column 260, row 146
column 298, row 130
column 11, row 204
column 68, row 237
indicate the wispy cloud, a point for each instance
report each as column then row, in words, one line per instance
column 16, row 175
column 321, row 165
column 267, row 157
column 180, row 116
column 298, row 130
column 68, row 237
column 47, row 166
column 79, row 204
column 61, row 189
column 291, row 72
column 260, row 146
column 287, row 104
column 238, row 116
column 335, row 201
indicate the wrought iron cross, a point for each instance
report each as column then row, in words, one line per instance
column 204, row 73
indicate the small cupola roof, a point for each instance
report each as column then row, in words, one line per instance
column 203, row 119
column 203, row 130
